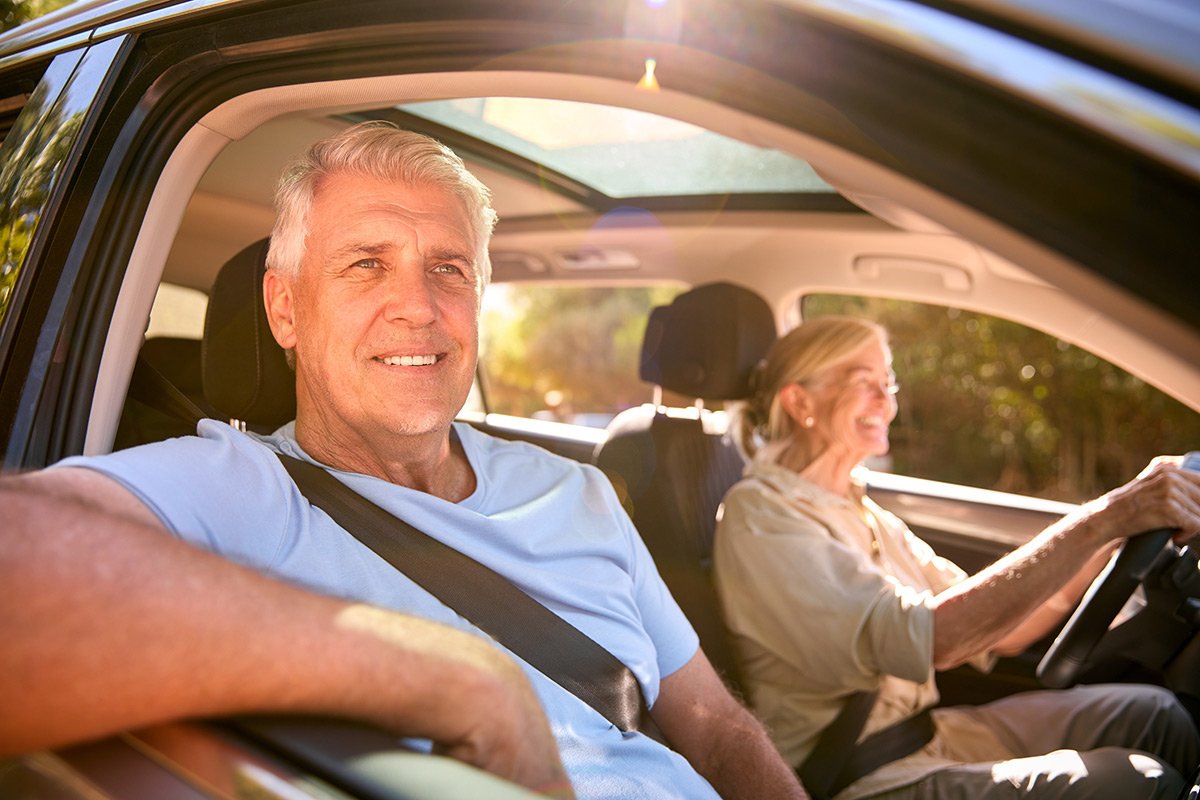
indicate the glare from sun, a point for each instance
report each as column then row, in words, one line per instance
column 648, row 81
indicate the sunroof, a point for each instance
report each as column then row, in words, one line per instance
column 620, row 152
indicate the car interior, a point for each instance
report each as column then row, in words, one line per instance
column 857, row 228
column 214, row 199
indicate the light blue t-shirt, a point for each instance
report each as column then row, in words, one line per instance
column 552, row 526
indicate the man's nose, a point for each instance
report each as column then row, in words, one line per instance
column 410, row 297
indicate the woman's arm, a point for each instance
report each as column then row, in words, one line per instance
column 988, row 609
column 1050, row 614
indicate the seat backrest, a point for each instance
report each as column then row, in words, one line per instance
column 672, row 467
column 245, row 372
column 144, row 418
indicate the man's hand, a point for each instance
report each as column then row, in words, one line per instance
column 475, row 703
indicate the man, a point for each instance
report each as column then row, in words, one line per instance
column 377, row 263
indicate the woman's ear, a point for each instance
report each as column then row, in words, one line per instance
column 277, row 297
column 796, row 402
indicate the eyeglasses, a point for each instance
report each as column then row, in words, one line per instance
column 858, row 381
column 865, row 384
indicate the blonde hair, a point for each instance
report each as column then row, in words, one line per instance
column 377, row 149
column 761, row 426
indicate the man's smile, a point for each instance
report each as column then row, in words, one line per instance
column 409, row 361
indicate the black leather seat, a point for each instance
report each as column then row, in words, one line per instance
column 245, row 372
column 237, row 372
column 177, row 359
column 672, row 467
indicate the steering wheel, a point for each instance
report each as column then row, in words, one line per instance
column 1067, row 656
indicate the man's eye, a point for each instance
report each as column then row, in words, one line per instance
column 448, row 269
column 367, row 263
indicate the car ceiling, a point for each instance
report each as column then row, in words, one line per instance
column 884, row 242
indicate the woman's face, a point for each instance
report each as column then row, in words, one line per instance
column 854, row 403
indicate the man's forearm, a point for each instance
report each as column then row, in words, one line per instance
column 719, row 737
column 743, row 762
column 111, row 624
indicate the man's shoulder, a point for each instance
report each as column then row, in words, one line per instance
column 490, row 446
column 217, row 450
column 525, row 469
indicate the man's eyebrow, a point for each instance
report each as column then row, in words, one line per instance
column 452, row 254
column 361, row 248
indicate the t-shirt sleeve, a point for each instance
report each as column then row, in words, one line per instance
column 222, row 490
column 675, row 640
column 816, row 602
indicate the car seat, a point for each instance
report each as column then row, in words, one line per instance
column 672, row 466
column 236, row 373
column 245, row 372
column 145, row 418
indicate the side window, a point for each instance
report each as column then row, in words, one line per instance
column 178, row 311
column 24, row 162
column 566, row 354
column 993, row 404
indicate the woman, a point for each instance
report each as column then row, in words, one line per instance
column 828, row 595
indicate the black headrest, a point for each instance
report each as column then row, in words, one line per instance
column 707, row 341
column 246, row 375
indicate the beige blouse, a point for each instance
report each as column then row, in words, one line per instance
column 825, row 596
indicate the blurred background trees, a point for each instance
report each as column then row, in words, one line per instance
column 14, row 12
column 984, row 402
column 991, row 403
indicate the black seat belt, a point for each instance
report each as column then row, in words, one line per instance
column 836, row 761
column 488, row 600
column 151, row 387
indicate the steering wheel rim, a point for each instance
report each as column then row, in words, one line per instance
column 1066, row 658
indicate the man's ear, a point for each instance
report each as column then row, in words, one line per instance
column 278, row 299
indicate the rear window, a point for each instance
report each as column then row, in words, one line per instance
column 566, row 354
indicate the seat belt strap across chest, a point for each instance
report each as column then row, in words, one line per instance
column 488, row 600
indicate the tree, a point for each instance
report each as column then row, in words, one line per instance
column 991, row 403
column 568, row 351
column 16, row 12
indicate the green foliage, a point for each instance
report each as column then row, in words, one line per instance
column 991, row 403
column 558, row 351
column 33, row 158
column 15, row 12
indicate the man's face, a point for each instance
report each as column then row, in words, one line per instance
column 384, row 313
